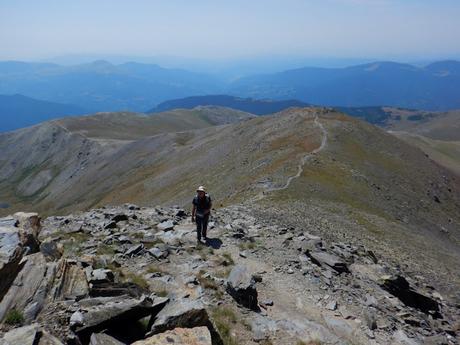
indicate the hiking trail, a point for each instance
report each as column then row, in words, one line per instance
column 301, row 164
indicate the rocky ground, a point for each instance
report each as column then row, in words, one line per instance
column 131, row 275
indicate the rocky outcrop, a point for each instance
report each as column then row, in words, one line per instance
column 10, row 255
column 180, row 336
column 30, row 289
column 242, row 287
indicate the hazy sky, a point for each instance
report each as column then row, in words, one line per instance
column 38, row 29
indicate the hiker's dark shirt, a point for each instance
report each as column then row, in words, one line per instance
column 202, row 205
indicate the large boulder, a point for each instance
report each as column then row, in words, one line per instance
column 30, row 289
column 180, row 336
column 242, row 287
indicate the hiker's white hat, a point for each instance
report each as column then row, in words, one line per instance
column 201, row 189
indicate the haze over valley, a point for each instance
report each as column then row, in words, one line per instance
column 319, row 142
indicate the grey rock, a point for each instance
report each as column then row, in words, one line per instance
column 101, row 276
column 338, row 326
column 50, row 250
column 166, row 225
column 76, row 319
column 70, row 282
column 100, row 312
column 10, row 255
column 328, row 260
column 25, row 335
column 400, row 338
column 180, row 313
column 242, row 287
column 159, row 252
column 134, row 250
column 370, row 317
column 103, row 339
column 332, row 305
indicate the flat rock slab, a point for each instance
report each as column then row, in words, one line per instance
column 330, row 260
column 180, row 336
column 98, row 313
column 180, row 313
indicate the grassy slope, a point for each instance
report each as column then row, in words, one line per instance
column 131, row 126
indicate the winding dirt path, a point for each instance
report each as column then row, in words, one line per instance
column 302, row 162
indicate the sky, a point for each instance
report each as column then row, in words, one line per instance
column 234, row 29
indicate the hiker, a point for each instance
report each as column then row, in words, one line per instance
column 200, row 213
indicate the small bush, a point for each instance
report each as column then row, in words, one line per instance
column 136, row 279
column 155, row 269
column 223, row 318
column 14, row 317
column 228, row 260
column 161, row 293
column 206, row 282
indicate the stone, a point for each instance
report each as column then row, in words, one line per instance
column 134, row 250
column 30, row 288
column 332, row 305
column 181, row 312
column 242, row 287
column 400, row 338
column 29, row 228
column 103, row 339
column 180, row 336
column 101, row 276
column 51, row 250
column 29, row 335
column 328, row 260
column 76, row 319
column 166, row 225
column 70, row 282
column 159, row 252
column 11, row 252
column 25, row 335
column 340, row 327
column 370, row 316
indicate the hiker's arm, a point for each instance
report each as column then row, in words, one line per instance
column 208, row 211
column 193, row 212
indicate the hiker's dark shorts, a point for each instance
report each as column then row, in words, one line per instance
column 201, row 226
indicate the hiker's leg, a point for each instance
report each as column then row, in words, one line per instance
column 205, row 226
column 198, row 228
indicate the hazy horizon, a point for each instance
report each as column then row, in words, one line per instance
column 226, row 32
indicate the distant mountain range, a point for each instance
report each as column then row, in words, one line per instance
column 434, row 87
column 102, row 86
column 17, row 111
